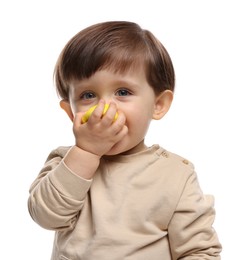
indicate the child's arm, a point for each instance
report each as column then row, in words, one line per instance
column 58, row 194
column 190, row 231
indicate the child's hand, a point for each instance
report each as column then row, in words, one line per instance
column 101, row 132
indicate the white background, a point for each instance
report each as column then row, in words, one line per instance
column 209, row 122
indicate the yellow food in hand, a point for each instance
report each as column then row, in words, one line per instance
column 91, row 110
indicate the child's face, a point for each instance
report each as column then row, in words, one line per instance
column 132, row 95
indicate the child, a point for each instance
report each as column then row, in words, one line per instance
column 109, row 196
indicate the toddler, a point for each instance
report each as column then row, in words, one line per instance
column 109, row 196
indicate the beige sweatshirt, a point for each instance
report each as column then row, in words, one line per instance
column 145, row 206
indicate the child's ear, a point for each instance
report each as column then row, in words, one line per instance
column 162, row 105
column 65, row 105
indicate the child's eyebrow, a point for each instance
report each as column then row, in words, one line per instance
column 127, row 83
column 80, row 84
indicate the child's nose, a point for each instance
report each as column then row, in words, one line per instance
column 107, row 100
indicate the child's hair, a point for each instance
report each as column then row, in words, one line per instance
column 118, row 46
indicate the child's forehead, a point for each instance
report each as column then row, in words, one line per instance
column 105, row 77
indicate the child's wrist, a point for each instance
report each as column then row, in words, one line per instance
column 82, row 162
column 83, row 151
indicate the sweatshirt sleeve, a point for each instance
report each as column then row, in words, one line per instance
column 190, row 230
column 57, row 195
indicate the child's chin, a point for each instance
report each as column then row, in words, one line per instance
column 117, row 149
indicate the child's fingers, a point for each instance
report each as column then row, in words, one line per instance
column 77, row 119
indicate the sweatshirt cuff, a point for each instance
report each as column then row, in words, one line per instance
column 68, row 183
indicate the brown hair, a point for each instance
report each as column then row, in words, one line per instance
column 116, row 45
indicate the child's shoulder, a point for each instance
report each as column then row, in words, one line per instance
column 175, row 170
column 175, row 159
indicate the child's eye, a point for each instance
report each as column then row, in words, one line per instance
column 87, row 95
column 123, row 92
